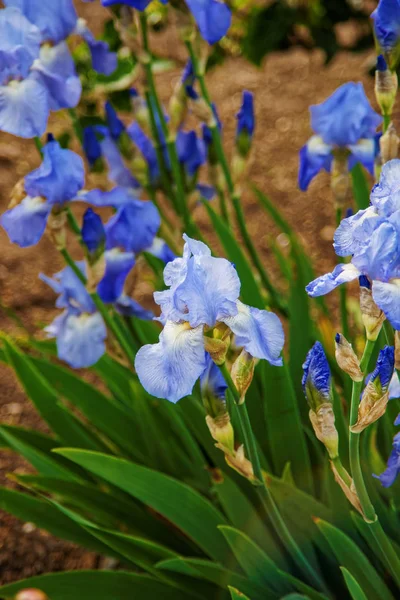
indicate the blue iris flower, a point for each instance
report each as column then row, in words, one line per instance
column 386, row 19
column 213, row 18
column 118, row 172
column 212, row 382
column 191, row 151
column 34, row 78
column 344, row 121
column 145, row 145
column 372, row 238
column 80, row 331
column 316, row 379
column 383, row 372
column 57, row 180
column 203, row 291
column 118, row 266
column 133, row 227
column 161, row 250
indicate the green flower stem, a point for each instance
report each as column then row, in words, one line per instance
column 235, row 197
column 76, row 124
column 191, row 229
column 264, row 492
column 391, row 558
column 111, row 323
column 39, row 145
column 223, row 209
column 386, row 122
column 341, row 470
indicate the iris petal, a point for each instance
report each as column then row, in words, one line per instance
column 118, row 266
column 326, row 283
column 24, row 108
column 170, row 368
column 25, row 223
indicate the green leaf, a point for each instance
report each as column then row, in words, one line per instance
column 46, row 515
column 110, row 418
column 246, row 516
column 46, row 465
column 347, row 553
column 203, row 569
column 33, row 438
column 353, row 586
column 249, row 290
column 64, row 424
column 361, row 189
column 199, row 520
column 255, row 563
column 98, row 585
column 236, row 594
column 287, row 441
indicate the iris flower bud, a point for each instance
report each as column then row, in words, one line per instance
column 94, row 238
column 317, row 389
column 242, row 373
column 340, row 178
column 389, row 144
column 376, row 394
column 371, row 314
column 385, row 86
column 347, row 358
column 57, row 227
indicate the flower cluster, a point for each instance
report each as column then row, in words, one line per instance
column 37, row 72
column 372, row 238
column 344, row 124
column 203, row 292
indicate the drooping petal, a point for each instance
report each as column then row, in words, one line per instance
column 354, row 233
column 24, row 108
column 128, row 307
column 259, row 332
column 103, row 61
column 56, row 19
column 118, row 172
column 25, row 223
column 80, row 338
column 56, row 69
column 345, row 117
column 60, row 176
column 91, row 145
column 387, row 297
column 146, row 147
column 212, row 17
column 115, row 125
column 117, row 197
column 191, row 151
column 72, row 292
column 133, row 227
column 161, row 250
column 170, row 368
column 19, row 44
column 385, row 195
column 314, row 156
column 363, row 152
column 118, row 266
column 326, row 283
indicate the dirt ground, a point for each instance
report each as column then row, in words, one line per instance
column 284, row 88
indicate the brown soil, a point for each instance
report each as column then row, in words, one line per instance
column 284, row 88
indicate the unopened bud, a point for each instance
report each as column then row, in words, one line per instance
column 340, row 178
column 95, row 273
column 389, row 144
column 217, row 348
column 202, row 111
column 177, row 109
column 323, row 422
column 371, row 314
column 222, row 432
column 376, row 394
column 348, row 488
column 57, row 228
column 385, row 86
column 397, row 350
column 31, row 594
column 239, row 462
column 240, row 166
column 242, row 373
column 316, row 379
column 346, row 358
column 140, row 169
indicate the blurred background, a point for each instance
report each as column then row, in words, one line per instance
column 290, row 54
